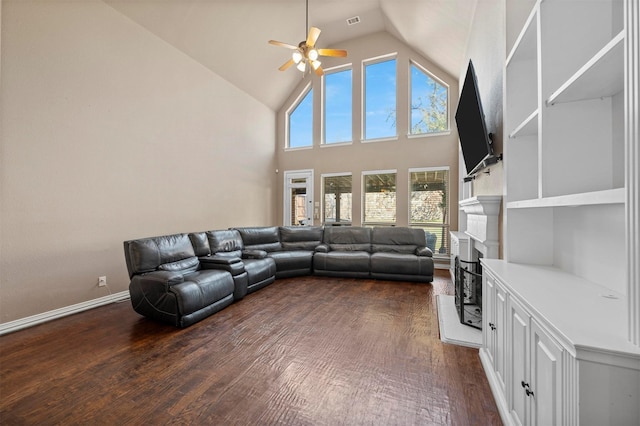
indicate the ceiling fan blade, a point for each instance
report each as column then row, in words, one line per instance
column 317, row 68
column 319, row 72
column 314, row 33
column 286, row 65
column 333, row 52
column 279, row 43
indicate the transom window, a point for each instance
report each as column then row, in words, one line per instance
column 337, row 199
column 429, row 206
column 379, row 203
column 300, row 121
column 429, row 103
column 338, row 106
column 380, row 99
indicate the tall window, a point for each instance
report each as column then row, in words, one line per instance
column 429, row 206
column 337, row 106
column 379, row 202
column 429, row 103
column 337, row 199
column 380, row 100
column 301, row 122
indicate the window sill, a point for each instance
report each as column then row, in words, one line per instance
column 298, row 148
column 327, row 145
column 428, row 135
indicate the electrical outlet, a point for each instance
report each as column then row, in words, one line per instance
column 102, row 281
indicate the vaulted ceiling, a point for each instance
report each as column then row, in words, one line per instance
column 230, row 36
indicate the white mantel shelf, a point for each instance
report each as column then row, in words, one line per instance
column 482, row 204
column 482, row 220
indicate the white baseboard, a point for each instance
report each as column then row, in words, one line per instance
column 19, row 324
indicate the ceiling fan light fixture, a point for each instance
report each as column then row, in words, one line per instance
column 302, row 66
column 313, row 54
column 316, row 64
column 297, row 56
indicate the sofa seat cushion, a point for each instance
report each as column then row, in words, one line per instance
column 401, row 264
column 202, row 288
column 260, row 270
column 292, row 260
column 343, row 261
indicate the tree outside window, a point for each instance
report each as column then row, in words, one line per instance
column 429, row 103
column 429, row 206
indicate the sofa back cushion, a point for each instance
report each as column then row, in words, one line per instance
column 225, row 242
column 397, row 239
column 200, row 243
column 167, row 252
column 300, row 237
column 264, row 238
column 348, row 238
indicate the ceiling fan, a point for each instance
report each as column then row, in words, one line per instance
column 305, row 55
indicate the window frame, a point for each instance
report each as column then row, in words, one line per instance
column 301, row 96
column 323, row 106
column 364, row 197
column 409, row 98
column 446, row 227
column 363, row 91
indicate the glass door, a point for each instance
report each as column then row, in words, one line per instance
column 298, row 197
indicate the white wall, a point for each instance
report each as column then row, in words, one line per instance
column 486, row 48
column 108, row 134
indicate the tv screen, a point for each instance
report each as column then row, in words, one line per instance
column 472, row 131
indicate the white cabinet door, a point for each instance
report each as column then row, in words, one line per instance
column 519, row 350
column 489, row 317
column 546, row 376
column 500, row 335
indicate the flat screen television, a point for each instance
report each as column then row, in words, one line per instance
column 475, row 141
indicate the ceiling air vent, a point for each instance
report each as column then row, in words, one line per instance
column 353, row 21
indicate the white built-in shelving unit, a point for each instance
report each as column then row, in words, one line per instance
column 562, row 310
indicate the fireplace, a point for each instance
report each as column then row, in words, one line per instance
column 479, row 222
column 468, row 292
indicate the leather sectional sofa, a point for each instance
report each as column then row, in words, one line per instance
column 183, row 278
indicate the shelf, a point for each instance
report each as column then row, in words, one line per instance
column 528, row 127
column 600, row 77
column 525, row 47
column 609, row 196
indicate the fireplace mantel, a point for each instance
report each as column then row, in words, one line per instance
column 482, row 223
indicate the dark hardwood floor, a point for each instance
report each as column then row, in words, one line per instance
column 302, row 351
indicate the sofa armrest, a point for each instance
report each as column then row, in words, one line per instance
column 323, row 248
column 424, row 251
column 254, row 254
column 234, row 265
column 208, row 262
column 157, row 281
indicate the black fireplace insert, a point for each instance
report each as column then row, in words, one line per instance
column 468, row 292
